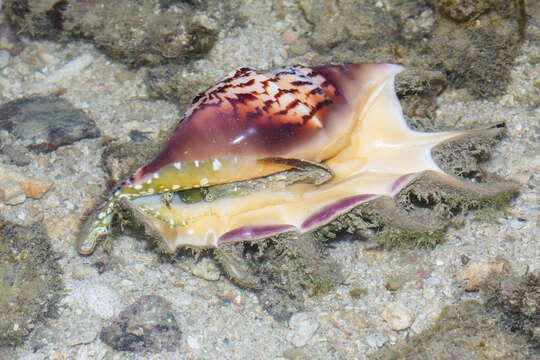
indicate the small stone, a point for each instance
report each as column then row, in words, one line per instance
column 18, row 154
column 475, row 273
column 146, row 325
column 358, row 292
column 376, row 340
column 11, row 192
column 206, row 269
column 5, row 57
column 81, row 331
column 349, row 322
column 463, row 10
column 303, row 326
column 397, row 316
column 394, row 283
column 60, row 226
column 34, row 188
column 295, row 354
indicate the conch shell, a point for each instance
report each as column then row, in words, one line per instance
column 240, row 165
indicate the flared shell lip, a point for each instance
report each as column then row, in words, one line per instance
column 323, row 216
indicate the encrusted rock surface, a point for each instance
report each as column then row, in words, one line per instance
column 30, row 281
column 45, row 123
column 147, row 325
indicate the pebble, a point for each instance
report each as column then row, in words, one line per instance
column 206, row 269
column 397, row 316
column 295, row 354
column 302, row 327
column 31, row 187
column 34, row 188
column 349, row 322
column 376, row 340
column 395, row 282
column 4, row 59
column 147, row 325
column 11, row 192
column 475, row 273
column 69, row 70
column 18, row 154
column 81, row 331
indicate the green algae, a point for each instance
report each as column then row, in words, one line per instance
column 462, row 331
column 474, row 43
column 30, row 281
column 517, row 300
column 282, row 270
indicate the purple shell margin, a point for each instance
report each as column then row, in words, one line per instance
column 319, row 218
column 247, row 233
column 331, row 211
column 401, row 181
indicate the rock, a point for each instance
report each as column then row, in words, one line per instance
column 206, row 269
column 517, row 297
column 348, row 322
column 17, row 153
column 463, row 331
column 463, row 10
column 30, row 282
column 475, row 273
column 376, row 340
column 34, row 188
column 83, row 331
column 295, row 354
column 397, row 316
column 395, row 282
column 147, row 325
column 303, row 326
column 71, row 331
column 45, row 123
column 5, row 57
column 11, row 192
column 358, row 292
column 68, row 71
column 15, row 186
column 426, row 34
column 60, row 226
column 132, row 32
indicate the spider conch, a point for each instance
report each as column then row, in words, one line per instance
column 255, row 128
